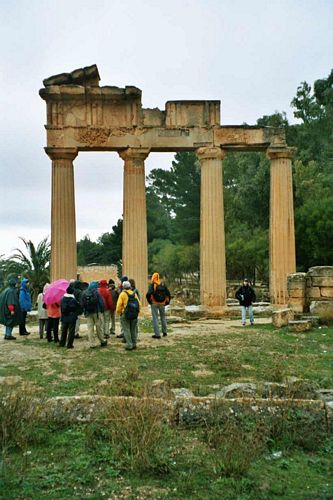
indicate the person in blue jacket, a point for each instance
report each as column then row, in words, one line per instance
column 25, row 305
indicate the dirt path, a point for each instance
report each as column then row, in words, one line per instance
column 12, row 352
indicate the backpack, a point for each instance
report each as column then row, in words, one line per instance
column 160, row 293
column 132, row 307
column 90, row 301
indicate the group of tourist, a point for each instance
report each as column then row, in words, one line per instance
column 98, row 301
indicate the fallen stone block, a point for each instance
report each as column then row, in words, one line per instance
column 237, row 390
column 280, row 317
column 323, row 309
column 299, row 326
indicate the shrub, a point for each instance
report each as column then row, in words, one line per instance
column 140, row 438
column 236, row 439
column 18, row 414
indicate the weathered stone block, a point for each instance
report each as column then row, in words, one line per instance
column 296, row 304
column 323, row 309
column 326, row 292
column 299, row 326
column 296, row 293
column 281, row 317
column 237, row 390
column 320, row 271
column 296, row 280
column 314, row 319
column 322, row 281
column 313, row 292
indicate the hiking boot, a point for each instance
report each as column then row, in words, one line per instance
column 9, row 337
column 156, row 336
column 106, row 335
column 104, row 343
column 24, row 334
column 165, row 334
column 129, row 348
column 121, row 336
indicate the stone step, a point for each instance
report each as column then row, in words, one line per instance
column 299, row 326
column 314, row 319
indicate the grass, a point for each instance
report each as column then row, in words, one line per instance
column 136, row 455
column 63, row 464
column 193, row 360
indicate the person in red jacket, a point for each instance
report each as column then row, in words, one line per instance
column 108, row 306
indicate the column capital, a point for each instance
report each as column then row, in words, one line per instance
column 61, row 153
column 210, row 153
column 278, row 152
column 134, row 154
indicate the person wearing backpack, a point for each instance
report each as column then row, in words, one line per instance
column 128, row 307
column 70, row 309
column 158, row 296
column 108, row 305
column 114, row 295
column 93, row 308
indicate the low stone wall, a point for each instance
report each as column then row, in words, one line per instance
column 189, row 411
column 312, row 291
column 90, row 273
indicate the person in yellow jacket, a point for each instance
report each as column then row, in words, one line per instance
column 128, row 307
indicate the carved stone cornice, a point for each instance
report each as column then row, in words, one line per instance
column 61, row 153
column 210, row 153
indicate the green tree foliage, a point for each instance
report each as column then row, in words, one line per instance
column 105, row 251
column 34, row 264
column 178, row 191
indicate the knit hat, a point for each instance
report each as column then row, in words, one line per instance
column 103, row 283
column 111, row 282
column 124, row 278
column 126, row 285
column 70, row 289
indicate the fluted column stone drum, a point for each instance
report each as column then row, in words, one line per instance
column 135, row 251
column 212, row 239
column 282, row 253
column 63, row 222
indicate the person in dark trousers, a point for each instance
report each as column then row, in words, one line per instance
column 77, row 286
column 114, row 295
column 25, row 304
column 10, row 311
column 158, row 296
column 70, row 308
column 128, row 308
column 246, row 296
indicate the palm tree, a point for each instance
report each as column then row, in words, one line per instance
column 34, row 264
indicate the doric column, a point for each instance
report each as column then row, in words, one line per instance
column 282, row 257
column 212, row 241
column 63, row 223
column 135, row 252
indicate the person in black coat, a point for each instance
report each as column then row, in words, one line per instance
column 246, row 296
column 70, row 309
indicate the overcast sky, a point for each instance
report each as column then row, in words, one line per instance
column 251, row 55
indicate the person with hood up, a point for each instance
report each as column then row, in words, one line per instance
column 158, row 296
column 108, row 305
column 42, row 312
column 10, row 311
column 245, row 294
column 93, row 308
column 70, row 308
column 25, row 304
column 128, row 307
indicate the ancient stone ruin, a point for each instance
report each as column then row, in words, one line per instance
column 82, row 116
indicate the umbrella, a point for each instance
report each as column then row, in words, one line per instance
column 55, row 291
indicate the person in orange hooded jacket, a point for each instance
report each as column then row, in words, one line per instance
column 158, row 296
